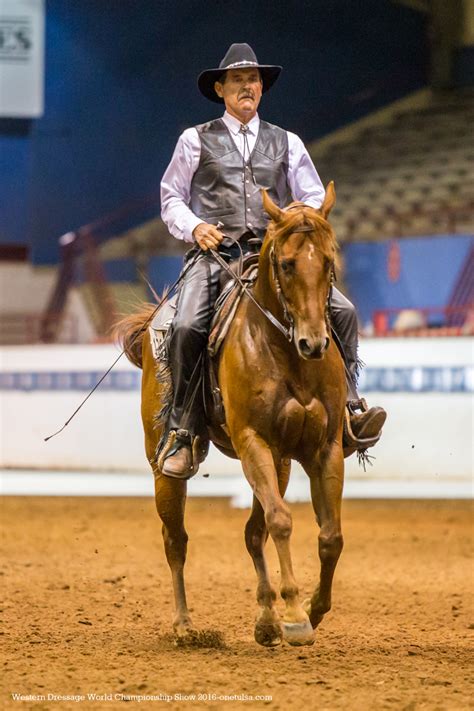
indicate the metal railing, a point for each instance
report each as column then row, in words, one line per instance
column 429, row 321
column 28, row 328
column 81, row 247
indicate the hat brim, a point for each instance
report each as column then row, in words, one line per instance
column 207, row 79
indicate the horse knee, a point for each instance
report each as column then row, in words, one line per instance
column 279, row 522
column 330, row 546
column 176, row 543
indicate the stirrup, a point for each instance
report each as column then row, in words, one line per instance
column 170, row 445
column 350, row 440
column 199, row 448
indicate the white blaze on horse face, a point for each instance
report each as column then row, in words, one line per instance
column 311, row 251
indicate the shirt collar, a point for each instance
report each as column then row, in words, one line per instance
column 234, row 124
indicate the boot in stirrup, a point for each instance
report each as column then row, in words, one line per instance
column 176, row 457
column 363, row 425
column 182, row 454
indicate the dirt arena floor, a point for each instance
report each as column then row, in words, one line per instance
column 87, row 609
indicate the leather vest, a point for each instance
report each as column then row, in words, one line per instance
column 225, row 190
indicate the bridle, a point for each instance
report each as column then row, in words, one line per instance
column 279, row 291
column 288, row 332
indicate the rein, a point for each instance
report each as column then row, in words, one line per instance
column 139, row 333
column 287, row 332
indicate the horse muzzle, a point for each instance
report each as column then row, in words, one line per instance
column 312, row 348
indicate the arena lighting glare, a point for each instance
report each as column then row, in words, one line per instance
column 67, row 238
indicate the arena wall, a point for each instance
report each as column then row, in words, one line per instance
column 425, row 385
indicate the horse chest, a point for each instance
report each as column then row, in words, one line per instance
column 298, row 423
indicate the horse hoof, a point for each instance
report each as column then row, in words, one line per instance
column 183, row 628
column 298, row 633
column 268, row 634
column 314, row 618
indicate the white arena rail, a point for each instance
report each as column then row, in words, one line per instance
column 426, row 386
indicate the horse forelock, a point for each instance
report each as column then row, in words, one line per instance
column 312, row 223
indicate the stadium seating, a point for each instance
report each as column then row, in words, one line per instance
column 411, row 174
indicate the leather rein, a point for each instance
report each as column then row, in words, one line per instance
column 287, row 332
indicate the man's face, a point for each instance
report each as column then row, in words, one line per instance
column 241, row 90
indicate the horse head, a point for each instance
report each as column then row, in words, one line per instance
column 301, row 248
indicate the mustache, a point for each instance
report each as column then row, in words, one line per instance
column 246, row 94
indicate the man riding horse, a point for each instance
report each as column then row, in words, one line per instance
column 211, row 197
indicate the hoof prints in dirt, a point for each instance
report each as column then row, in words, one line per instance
column 201, row 639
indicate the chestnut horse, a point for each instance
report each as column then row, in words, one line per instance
column 283, row 400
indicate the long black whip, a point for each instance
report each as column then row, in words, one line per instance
column 139, row 333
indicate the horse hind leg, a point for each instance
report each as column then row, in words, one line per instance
column 268, row 631
column 170, row 497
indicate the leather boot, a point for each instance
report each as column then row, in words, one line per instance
column 178, row 461
column 179, row 465
column 368, row 422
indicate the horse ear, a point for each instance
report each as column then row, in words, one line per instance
column 269, row 206
column 329, row 200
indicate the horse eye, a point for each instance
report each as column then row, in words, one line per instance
column 286, row 265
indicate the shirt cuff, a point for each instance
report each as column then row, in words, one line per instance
column 188, row 226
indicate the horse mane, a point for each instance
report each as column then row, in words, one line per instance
column 298, row 214
column 129, row 332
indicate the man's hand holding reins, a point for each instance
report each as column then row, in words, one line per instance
column 207, row 236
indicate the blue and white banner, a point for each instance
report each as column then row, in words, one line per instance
column 21, row 58
column 418, row 379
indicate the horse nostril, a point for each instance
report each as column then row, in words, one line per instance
column 304, row 346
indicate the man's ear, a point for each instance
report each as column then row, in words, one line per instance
column 218, row 89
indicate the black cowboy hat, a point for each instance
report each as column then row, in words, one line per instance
column 238, row 56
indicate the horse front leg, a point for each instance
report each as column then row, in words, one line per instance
column 260, row 470
column 326, row 495
column 268, row 631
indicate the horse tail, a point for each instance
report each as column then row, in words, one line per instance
column 130, row 331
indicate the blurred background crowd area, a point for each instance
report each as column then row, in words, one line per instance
column 93, row 96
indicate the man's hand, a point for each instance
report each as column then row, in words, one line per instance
column 207, row 236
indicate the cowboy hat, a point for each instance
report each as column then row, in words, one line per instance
column 238, row 56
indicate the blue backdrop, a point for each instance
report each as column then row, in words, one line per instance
column 121, row 86
column 429, row 268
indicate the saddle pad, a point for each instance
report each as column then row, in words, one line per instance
column 160, row 325
column 226, row 306
column 165, row 315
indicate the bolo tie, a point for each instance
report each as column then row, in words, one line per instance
column 244, row 129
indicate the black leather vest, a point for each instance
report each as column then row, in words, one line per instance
column 224, row 190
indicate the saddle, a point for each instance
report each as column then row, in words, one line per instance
column 224, row 310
